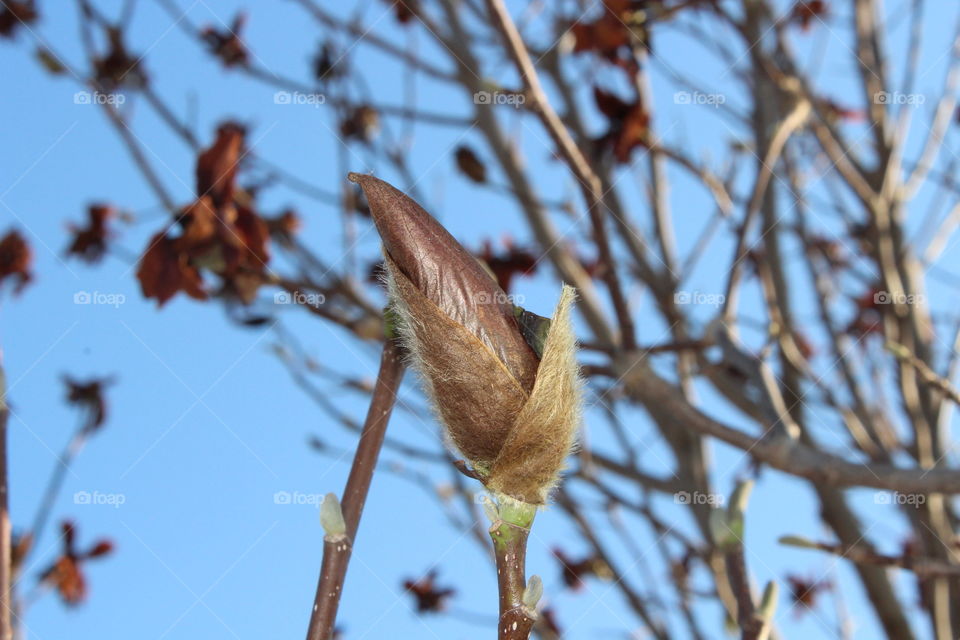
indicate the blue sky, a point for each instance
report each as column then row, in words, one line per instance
column 205, row 425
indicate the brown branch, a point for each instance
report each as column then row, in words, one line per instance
column 336, row 553
column 927, row 374
column 6, row 576
column 510, row 550
column 750, row 624
column 589, row 182
column 923, row 567
column 666, row 403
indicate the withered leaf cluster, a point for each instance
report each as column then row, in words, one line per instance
column 625, row 24
column 628, row 123
column 66, row 573
column 616, row 36
column 226, row 44
column 88, row 396
column 405, row 10
column 219, row 231
column 361, row 123
column 16, row 259
column 118, row 67
column 15, row 14
column 428, row 595
column 506, row 265
column 470, row 164
column 89, row 241
column 573, row 571
column 806, row 12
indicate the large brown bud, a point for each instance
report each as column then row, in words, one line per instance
column 511, row 413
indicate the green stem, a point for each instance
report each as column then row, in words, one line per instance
column 509, row 534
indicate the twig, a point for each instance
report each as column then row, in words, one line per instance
column 336, row 554
column 589, row 181
column 928, row 375
column 6, row 577
column 664, row 400
column 55, row 483
column 509, row 535
column 922, row 567
column 750, row 625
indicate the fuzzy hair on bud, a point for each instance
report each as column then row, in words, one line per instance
column 544, row 432
column 517, row 440
column 473, row 393
column 510, row 410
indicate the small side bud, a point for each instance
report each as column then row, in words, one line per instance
column 720, row 530
column 768, row 605
column 533, row 592
column 740, row 498
column 490, row 509
column 734, row 515
column 798, row 541
column 331, row 518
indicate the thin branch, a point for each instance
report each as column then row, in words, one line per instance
column 589, row 181
column 6, row 575
column 336, row 554
column 923, row 567
column 664, row 401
